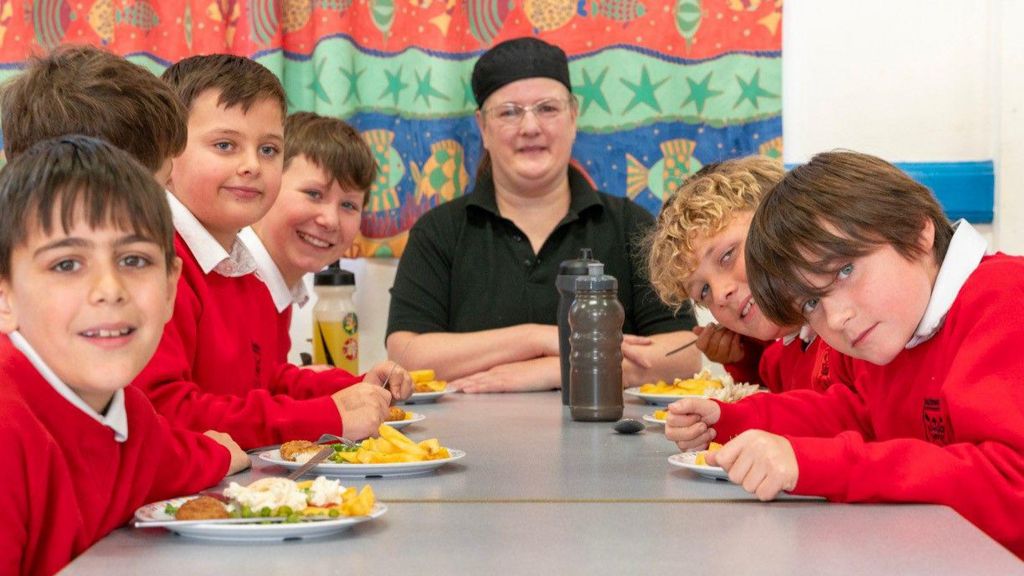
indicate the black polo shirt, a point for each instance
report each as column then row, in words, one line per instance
column 466, row 268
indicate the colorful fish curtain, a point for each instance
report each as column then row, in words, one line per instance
column 665, row 86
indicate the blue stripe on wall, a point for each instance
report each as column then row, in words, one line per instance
column 965, row 189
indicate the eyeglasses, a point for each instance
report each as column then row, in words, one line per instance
column 511, row 114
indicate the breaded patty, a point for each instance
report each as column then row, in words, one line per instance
column 291, row 450
column 202, row 508
column 395, row 414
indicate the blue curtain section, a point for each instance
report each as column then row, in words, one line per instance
column 639, row 155
column 638, row 159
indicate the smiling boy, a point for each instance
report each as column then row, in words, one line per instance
column 87, row 281
column 933, row 412
column 328, row 171
column 218, row 366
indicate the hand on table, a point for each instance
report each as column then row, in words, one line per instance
column 634, row 349
column 526, row 376
column 719, row 344
column 763, row 463
column 689, row 422
column 239, row 459
column 398, row 379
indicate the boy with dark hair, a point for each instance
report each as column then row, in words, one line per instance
column 218, row 365
column 87, row 281
column 87, row 90
column 695, row 254
column 328, row 171
column 933, row 410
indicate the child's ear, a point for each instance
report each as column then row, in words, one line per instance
column 927, row 237
column 173, row 273
column 8, row 318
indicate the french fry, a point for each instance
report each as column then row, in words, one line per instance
column 360, row 505
column 400, row 440
column 701, row 458
column 429, row 386
column 698, row 385
column 390, row 447
column 422, row 375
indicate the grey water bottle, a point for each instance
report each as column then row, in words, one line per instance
column 595, row 342
column 568, row 271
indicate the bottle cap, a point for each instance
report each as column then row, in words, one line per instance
column 576, row 267
column 334, row 275
column 596, row 279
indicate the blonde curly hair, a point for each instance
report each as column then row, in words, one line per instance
column 702, row 207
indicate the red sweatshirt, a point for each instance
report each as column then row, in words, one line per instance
column 218, row 365
column 782, row 367
column 67, row 482
column 942, row 423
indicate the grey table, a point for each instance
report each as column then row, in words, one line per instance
column 540, row 494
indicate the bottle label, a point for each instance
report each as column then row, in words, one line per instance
column 337, row 343
column 350, row 323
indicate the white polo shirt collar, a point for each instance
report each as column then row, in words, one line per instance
column 210, row 255
column 966, row 249
column 116, row 417
column 270, row 274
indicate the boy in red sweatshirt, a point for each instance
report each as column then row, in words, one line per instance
column 80, row 89
column 87, row 281
column 695, row 254
column 217, row 365
column 933, row 410
column 328, row 171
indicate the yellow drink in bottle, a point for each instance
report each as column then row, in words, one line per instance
column 335, row 322
column 337, row 343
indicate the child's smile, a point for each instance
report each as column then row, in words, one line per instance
column 91, row 302
column 230, row 172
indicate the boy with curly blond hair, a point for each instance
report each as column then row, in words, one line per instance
column 696, row 254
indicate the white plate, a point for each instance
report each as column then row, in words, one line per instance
column 252, row 532
column 399, row 424
column 365, row 470
column 424, row 397
column 658, row 399
column 650, row 418
column 688, row 460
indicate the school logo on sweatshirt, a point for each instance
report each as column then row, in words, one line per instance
column 936, row 429
column 257, row 353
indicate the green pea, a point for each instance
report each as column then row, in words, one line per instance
column 266, row 512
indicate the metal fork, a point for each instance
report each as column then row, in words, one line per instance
column 335, row 438
column 390, row 374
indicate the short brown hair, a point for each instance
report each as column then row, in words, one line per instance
column 87, row 90
column 704, row 205
column 80, row 172
column 240, row 81
column 839, row 206
column 332, row 145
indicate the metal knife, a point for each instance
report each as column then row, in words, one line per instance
column 316, row 459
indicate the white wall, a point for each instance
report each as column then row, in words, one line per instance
column 908, row 80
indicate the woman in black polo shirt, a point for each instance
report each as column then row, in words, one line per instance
column 474, row 297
